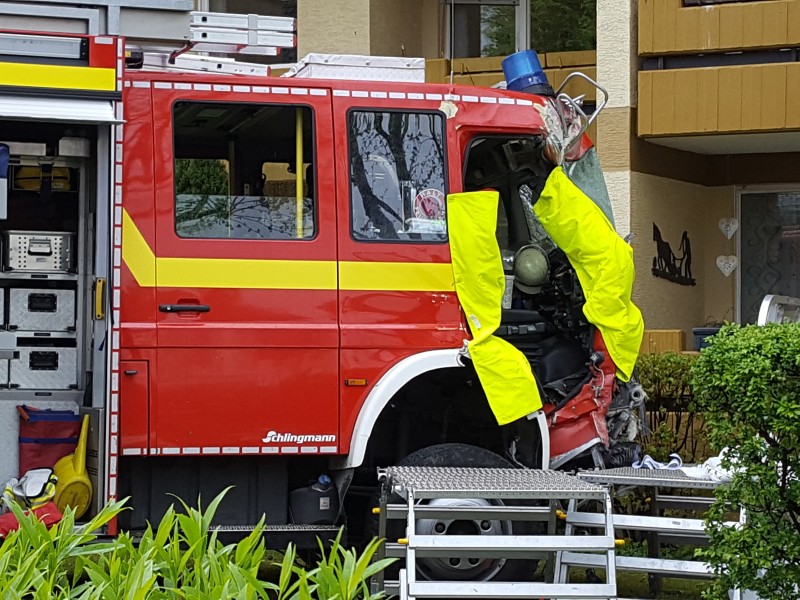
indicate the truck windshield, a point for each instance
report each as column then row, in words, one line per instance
column 588, row 176
column 515, row 167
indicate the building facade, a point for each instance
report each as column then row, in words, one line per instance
column 701, row 137
column 700, row 141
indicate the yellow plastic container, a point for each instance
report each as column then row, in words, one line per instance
column 74, row 488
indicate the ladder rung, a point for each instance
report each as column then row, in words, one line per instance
column 207, row 64
column 642, row 522
column 234, row 36
column 490, row 589
column 511, row 546
column 242, row 21
column 395, row 550
column 510, row 513
column 237, row 49
column 657, row 566
column 638, row 522
column 699, row 503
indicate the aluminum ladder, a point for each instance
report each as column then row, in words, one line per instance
column 419, row 485
column 156, row 21
column 660, row 529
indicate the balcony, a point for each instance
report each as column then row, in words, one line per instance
column 720, row 78
column 672, row 27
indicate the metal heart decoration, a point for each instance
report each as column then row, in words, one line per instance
column 727, row 264
column 728, row 226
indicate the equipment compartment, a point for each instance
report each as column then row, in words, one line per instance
column 39, row 251
column 44, row 368
column 41, row 309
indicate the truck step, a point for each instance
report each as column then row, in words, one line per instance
column 277, row 537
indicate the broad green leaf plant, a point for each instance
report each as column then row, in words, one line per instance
column 180, row 559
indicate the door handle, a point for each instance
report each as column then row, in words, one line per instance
column 175, row 308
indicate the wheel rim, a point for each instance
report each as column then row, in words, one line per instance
column 457, row 568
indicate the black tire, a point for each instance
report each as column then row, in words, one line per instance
column 461, row 455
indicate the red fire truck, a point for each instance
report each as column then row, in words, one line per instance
column 247, row 280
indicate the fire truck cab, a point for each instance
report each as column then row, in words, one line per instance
column 247, row 280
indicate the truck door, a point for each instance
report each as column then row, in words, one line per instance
column 247, row 325
column 397, row 295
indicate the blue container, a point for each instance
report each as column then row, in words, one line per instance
column 524, row 73
column 701, row 335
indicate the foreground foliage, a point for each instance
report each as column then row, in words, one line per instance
column 179, row 559
column 748, row 383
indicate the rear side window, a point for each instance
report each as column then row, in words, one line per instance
column 242, row 171
column 397, row 176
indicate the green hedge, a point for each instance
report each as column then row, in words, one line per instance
column 748, row 384
column 673, row 419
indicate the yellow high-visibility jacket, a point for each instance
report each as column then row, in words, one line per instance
column 504, row 372
column 603, row 262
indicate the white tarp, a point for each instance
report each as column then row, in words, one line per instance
column 349, row 66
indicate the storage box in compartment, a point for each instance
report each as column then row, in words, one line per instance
column 45, row 251
column 44, row 368
column 41, row 310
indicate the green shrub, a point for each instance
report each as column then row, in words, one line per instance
column 179, row 559
column 748, row 383
column 672, row 415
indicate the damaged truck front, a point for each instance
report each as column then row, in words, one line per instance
column 544, row 285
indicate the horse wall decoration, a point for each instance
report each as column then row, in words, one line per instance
column 667, row 265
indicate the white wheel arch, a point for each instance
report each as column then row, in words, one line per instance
column 383, row 391
column 391, row 383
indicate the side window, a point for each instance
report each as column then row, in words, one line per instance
column 236, row 169
column 397, row 176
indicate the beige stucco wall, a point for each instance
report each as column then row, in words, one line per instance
column 341, row 27
column 432, row 29
column 395, row 28
column 373, row 27
column 675, row 207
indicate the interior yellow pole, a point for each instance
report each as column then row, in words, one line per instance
column 298, row 159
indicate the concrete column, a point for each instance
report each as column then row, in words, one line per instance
column 617, row 68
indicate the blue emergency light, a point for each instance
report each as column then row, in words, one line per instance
column 524, row 73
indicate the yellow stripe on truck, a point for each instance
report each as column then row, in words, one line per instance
column 57, row 77
column 149, row 271
column 137, row 254
column 394, row 276
column 246, row 273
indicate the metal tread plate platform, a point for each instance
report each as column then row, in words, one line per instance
column 462, row 482
column 646, row 477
